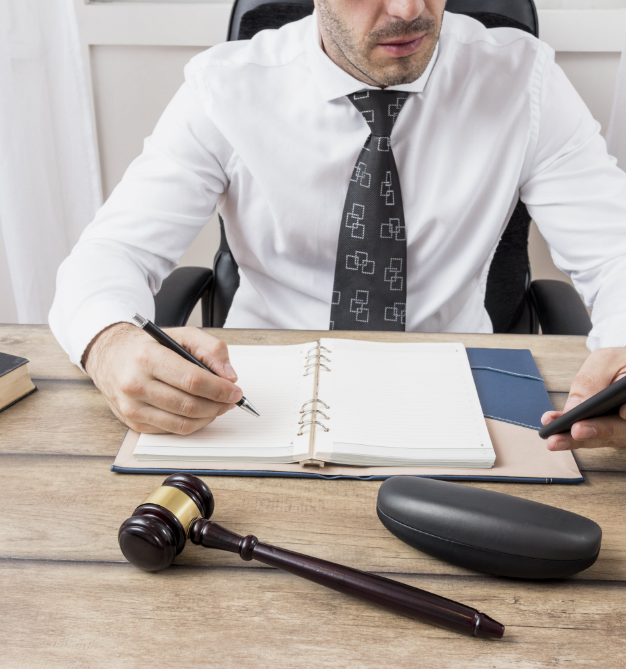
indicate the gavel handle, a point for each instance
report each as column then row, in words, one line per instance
column 398, row 597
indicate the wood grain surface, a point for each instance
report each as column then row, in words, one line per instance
column 109, row 616
column 332, row 520
column 76, row 418
column 70, row 600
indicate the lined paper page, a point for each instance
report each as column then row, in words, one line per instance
column 403, row 402
column 271, row 377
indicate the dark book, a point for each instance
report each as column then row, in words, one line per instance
column 15, row 381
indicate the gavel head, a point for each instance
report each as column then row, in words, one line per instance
column 156, row 532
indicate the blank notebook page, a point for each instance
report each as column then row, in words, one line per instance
column 403, row 397
column 271, row 377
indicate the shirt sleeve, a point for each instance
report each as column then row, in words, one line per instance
column 136, row 239
column 577, row 196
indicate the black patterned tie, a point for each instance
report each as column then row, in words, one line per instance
column 369, row 292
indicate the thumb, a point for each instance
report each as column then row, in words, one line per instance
column 209, row 350
column 549, row 416
column 592, row 377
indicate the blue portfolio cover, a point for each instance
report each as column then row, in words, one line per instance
column 510, row 389
column 509, row 385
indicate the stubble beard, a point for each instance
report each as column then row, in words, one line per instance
column 358, row 54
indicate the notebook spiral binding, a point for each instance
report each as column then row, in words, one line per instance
column 314, row 413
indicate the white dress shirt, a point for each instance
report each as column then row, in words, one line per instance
column 262, row 130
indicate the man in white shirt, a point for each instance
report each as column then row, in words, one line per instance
column 264, row 130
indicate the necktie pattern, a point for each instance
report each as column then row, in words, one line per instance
column 369, row 291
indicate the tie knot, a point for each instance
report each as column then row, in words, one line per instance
column 379, row 108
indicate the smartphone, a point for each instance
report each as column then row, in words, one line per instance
column 606, row 402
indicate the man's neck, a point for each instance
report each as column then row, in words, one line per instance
column 336, row 54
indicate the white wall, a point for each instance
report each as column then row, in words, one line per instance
column 8, row 310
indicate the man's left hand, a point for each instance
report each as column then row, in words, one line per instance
column 602, row 367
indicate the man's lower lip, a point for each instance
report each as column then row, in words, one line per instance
column 403, row 49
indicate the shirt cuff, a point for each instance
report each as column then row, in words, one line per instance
column 91, row 319
column 609, row 333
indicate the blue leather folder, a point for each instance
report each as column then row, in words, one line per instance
column 509, row 385
column 510, row 389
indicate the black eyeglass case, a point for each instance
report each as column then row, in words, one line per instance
column 487, row 531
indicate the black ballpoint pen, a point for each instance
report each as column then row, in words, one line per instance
column 158, row 334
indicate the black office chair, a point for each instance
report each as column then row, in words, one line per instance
column 514, row 303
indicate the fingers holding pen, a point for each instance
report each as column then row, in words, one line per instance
column 174, row 371
column 169, row 394
column 209, row 350
column 149, row 419
column 175, row 401
column 151, row 388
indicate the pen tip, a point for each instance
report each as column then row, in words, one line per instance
column 246, row 406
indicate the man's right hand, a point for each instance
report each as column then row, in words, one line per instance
column 152, row 389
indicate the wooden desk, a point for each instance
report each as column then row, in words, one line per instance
column 68, row 598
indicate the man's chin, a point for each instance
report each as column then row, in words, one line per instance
column 395, row 74
column 390, row 71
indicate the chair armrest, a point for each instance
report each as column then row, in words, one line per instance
column 179, row 295
column 559, row 308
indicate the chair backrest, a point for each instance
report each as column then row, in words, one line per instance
column 520, row 14
column 248, row 17
column 509, row 274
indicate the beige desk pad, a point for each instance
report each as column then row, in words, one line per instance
column 520, row 454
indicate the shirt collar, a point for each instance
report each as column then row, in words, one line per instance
column 333, row 82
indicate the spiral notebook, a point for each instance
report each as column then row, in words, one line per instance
column 344, row 402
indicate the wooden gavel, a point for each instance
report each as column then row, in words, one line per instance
column 181, row 507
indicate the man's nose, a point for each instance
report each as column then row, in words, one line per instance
column 407, row 10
